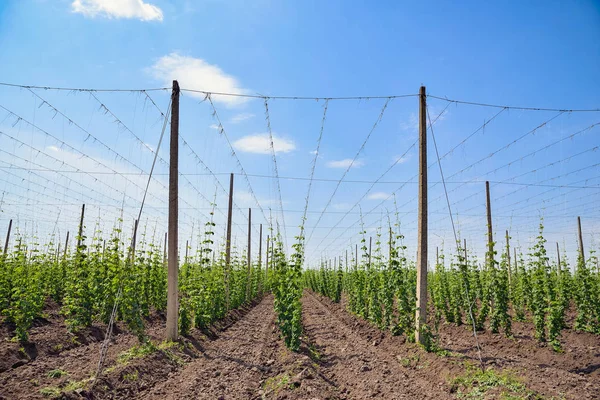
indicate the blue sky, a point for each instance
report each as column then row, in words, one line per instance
column 542, row 54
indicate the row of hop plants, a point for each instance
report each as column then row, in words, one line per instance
column 86, row 282
column 488, row 295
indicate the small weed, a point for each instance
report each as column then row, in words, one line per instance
column 314, row 352
column 137, row 351
column 57, row 373
column 52, row 392
column 276, row 383
column 57, row 348
column 132, row 377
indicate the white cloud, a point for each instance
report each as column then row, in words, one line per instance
column 197, row 74
column 345, row 163
column 241, row 118
column 314, row 152
column 214, row 126
column 378, row 196
column 261, row 144
column 402, row 160
column 131, row 9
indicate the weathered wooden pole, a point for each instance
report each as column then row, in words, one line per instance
column 580, row 240
column 66, row 244
column 165, row 251
column 7, row 237
column 421, row 312
column 80, row 236
column 260, row 288
column 267, row 262
column 249, row 252
column 228, row 241
column 172, row 332
column 133, row 240
column 558, row 257
column 508, row 259
column 370, row 242
column 187, row 246
column 489, row 223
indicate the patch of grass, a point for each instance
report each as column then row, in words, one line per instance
column 276, row 383
column 57, row 373
column 314, row 352
column 76, row 385
column 131, row 377
column 51, row 392
column 408, row 362
column 136, row 351
column 477, row 384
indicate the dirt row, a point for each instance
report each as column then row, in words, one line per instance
column 341, row 357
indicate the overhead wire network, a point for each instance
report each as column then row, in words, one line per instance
column 39, row 183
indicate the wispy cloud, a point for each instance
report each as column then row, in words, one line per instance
column 129, row 9
column 197, row 74
column 214, row 126
column 378, row 196
column 345, row 163
column 402, row 160
column 241, row 118
column 261, row 144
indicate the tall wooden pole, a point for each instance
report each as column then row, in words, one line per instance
column 172, row 332
column 66, row 244
column 370, row 242
column 267, row 262
column 260, row 288
column 508, row 260
column 228, row 241
column 133, row 240
column 187, row 246
column 165, row 251
column 580, row 240
column 489, row 223
column 80, row 237
column 7, row 237
column 249, row 251
column 421, row 312
column 558, row 256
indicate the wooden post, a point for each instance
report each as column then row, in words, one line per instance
column 133, row 240
column 172, row 332
column 249, row 251
column 81, row 226
column 66, row 244
column 165, row 251
column 516, row 261
column 260, row 258
column 580, row 240
column 356, row 257
column 7, row 237
column 421, row 312
column 370, row 242
column 508, row 260
column 489, row 223
column 346, row 259
column 187, row 245
column 267, row 261
column 228, row 242
column 558, row 257
column 390, row 248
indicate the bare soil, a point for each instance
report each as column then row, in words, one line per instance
column 243, row 357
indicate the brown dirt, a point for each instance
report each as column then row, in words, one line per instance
column 341, row 357
column 573, row 373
